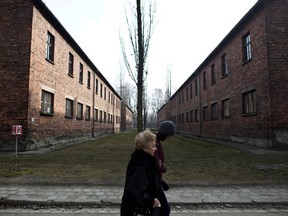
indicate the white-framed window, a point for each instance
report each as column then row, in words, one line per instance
column 47, row 103
column 249, row 102
column 79, row 111
column 69, row 108
column 87, row 113
column 225, row 108
column 246, row 44
column 70, row 64
column 50, row 45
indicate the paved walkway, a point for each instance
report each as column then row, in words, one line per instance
column 84, row 195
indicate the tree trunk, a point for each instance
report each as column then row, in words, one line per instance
column 140, row 70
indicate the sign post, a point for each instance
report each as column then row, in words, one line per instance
column 16, row 130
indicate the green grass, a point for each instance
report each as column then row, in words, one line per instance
column 104, row 161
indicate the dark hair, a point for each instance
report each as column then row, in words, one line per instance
column 167, row 128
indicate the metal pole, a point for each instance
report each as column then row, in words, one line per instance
column 16, row 150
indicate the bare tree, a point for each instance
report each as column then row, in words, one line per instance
column 140, row 28
column 168, row 83
column 156, row 102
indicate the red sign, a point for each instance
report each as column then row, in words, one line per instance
column 17, row 130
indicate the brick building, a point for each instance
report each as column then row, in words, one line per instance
column 127, row 116
column 48, row 84
column 239, row 92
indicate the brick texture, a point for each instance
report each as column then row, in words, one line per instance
column 266, row 74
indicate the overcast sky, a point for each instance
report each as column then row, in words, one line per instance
column 186, row 32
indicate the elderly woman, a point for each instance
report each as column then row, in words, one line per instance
column 142, row 184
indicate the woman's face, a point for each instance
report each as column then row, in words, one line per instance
column 150, row 148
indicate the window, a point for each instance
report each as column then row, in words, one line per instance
column 81, row 73
column 187, row 95
column 69, row 108
column 246, row 44
column 88, row 79
column 224, row 66
column 87, row 114
column 101, row 90
column 225, row 108
column 205, row 113
column 191, row 116
column 213, row 78
column 104, row 117
column 249, row 102
column 47, row 103
column 50, row 43
column 196, row 87
column 104, row 93
column 187, row 117
column 70, row 65
column 96, row 86
column 79, row 111
column 96, row 115
column 100, row 117
column 196, row 115
column 214, row 111
column 191, row 90
column 204, row 80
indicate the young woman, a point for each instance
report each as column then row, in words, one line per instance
column 166, row 129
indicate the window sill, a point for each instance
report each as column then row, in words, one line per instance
column 52, row 62
column 246, row 62
column 226, row 117
column 46, row 114
column 249, row 114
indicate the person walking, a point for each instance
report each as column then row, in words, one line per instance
column 166, row 129
column 142, row 183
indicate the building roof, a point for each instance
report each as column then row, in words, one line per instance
column 49, row 16
column 238, row 26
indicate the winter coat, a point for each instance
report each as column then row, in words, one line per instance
column 142, row 183
column 159, row 155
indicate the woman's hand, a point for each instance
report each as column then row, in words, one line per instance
column 156, row 203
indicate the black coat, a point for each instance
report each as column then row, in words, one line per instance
column 142, row 183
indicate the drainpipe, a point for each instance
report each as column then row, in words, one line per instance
column 93, row 105
column 199, row 106
column 114, row 117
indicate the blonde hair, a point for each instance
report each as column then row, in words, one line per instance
column 143, row 138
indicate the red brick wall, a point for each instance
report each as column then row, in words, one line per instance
column 25, row 72
column 277, row 34
column 15, row 28
column 266, row 73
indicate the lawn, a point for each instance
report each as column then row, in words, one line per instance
column 104, row 160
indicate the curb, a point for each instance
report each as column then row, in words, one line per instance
column 102, row 203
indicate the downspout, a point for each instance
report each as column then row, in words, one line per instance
column 199, row 106
column 114, row 117
column 93, row 105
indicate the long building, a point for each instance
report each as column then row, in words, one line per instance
column 239, row 92
column 48, row 85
